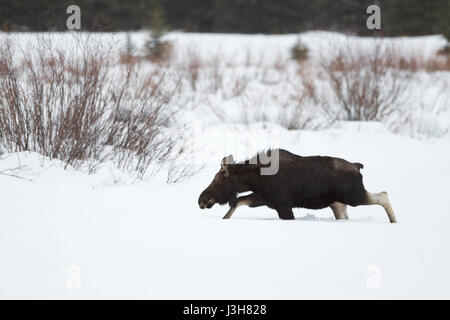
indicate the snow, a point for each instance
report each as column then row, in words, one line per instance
column 150, row 239
column 66, row 234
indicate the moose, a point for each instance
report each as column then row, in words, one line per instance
column 313, row 182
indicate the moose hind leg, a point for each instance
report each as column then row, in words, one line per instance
column 339, row 210
column 251, row 200
column 381, row 199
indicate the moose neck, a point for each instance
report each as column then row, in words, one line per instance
column 247, row 177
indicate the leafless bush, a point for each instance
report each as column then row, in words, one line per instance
column 192, row 64
column 293, row 106
column 84, row 109
column 204, row 74
column 140, row 118
column 238, row 83
column 280, row 62
column 429, row 117
column 214, row 72
column 417, row 61
column 364, row 85
column 299, row 106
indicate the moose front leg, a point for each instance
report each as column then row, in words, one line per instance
column 285, row 213
column 251, row 200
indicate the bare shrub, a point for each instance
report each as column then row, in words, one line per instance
column 417, row 61
column 438, row 62
column 445, row 51
column 204, row 74
column 140, row 117
column 429, row 117
column 191, row 64
column 214, row 68
column 156, row 49
column 298, row 106
column 292, row 106
column 238, row 83
column 83, row 109
column 364, row 86
column 183, row 162
column 280, row 63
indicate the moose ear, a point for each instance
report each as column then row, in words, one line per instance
column 224, row 164
column 227, row 160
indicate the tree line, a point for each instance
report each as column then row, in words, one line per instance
column 399, row 17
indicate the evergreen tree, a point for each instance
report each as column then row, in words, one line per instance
column 399, row 17
column 156, row 48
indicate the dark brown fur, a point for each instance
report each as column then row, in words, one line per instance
column 307, row 182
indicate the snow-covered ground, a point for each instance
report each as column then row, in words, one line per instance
column 150, row 239
column 67, row 234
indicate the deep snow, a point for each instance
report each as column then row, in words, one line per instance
column 150, row 239
column 67, row 234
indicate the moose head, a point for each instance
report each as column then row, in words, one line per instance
column 224, row 187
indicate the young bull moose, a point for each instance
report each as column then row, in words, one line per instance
column 305, row 182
